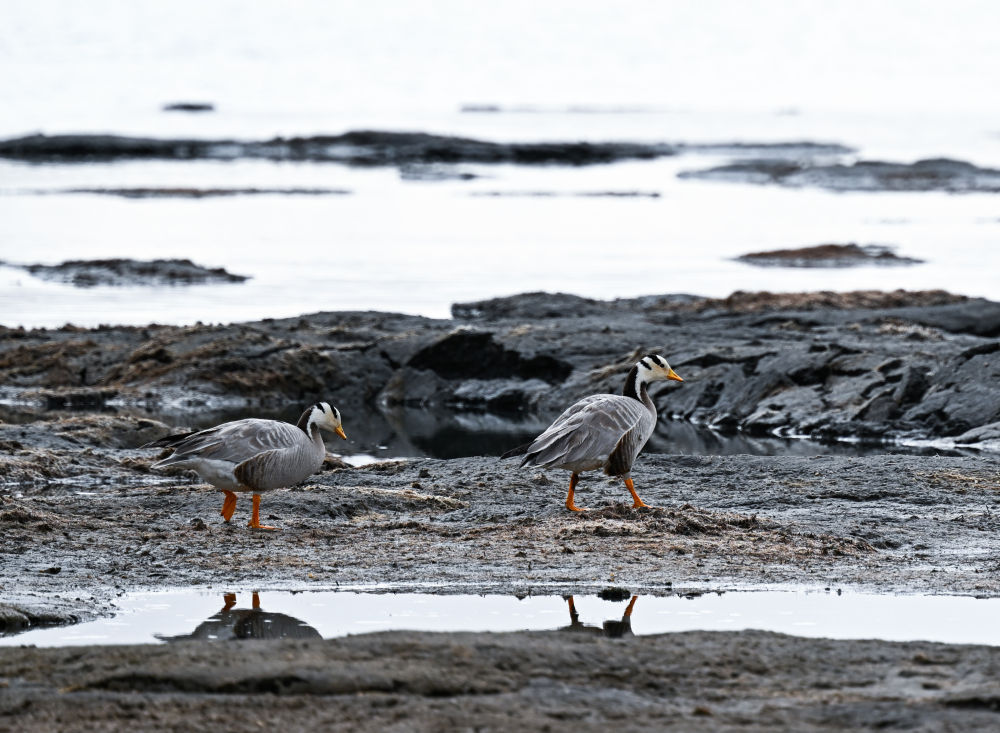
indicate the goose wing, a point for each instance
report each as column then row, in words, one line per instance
column 590, row 431
column 236, row 441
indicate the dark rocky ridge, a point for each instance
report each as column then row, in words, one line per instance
column 935, row 174
column 828, row 255
column 866, row 366
column 369, row 147
column 123, row 272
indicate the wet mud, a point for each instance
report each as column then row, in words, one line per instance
column 84, row 519
column 694, row 681
column 890, row 523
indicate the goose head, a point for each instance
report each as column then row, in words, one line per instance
column 325, row 417
column 654, row 368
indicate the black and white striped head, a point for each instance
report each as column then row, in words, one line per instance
column 653, row 367
column 326, row 417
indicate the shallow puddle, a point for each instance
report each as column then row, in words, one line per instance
column 178, row 615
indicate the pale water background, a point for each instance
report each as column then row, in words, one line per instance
column 897, row 81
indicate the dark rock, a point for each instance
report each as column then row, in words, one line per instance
column 825, row 365
column 476, row 355
column 363, row 147
column 937, row 174
column 530, row 306
column 122, row 272
column 189, row 107
column 828, row 255
column 412, row 151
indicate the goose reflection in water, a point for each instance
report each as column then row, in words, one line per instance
column 611, row 628
column 246, row 623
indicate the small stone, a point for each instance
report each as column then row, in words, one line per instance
column 51, row 571
column 197, row 524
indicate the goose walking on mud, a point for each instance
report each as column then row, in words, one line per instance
column 603, row 431
column 254, row 455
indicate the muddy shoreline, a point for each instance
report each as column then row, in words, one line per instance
column 557, row 682
column 84, row 519
column 886, row 524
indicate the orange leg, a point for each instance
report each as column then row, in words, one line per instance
column 255, row 519
column 256, row 600
column 569, row 497
column 638, row 503
column 230, row 599
column 574, row 617
column 628, row 611
column 229, row 505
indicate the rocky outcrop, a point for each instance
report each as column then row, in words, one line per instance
column 868, row 366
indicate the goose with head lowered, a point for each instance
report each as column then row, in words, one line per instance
column 602, row 431
column 254, row 455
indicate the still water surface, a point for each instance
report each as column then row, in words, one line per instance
column 176, row 615
column 897, row 81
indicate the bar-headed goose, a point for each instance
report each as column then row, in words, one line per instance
column 254, row 455
column 603, row 431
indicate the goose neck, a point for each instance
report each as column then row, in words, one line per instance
column 635, row 387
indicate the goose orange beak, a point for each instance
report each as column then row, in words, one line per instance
column 340, row 431
column 673, row 375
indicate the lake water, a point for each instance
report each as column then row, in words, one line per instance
column 896, row 81
column 176, row 615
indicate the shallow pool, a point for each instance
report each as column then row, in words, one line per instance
column 176, row 615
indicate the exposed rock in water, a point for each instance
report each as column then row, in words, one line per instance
column 370, row 147
column 122, row 272
column 828, row 255
column 194, row 193
column 189, row 107
column 555, row 305
column 363, row 147
column 935, row 174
